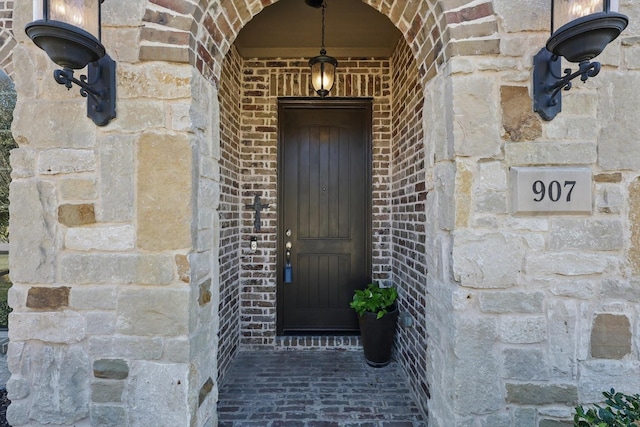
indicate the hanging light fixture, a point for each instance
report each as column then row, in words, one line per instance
column 580, row 30
column 69, row 32
column 323, row 67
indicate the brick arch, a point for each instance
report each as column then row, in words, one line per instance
column 202, row 33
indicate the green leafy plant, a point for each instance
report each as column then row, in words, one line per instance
column 374, row 299
column 621, row 410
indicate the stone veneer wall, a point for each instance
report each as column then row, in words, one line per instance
column 526, row 315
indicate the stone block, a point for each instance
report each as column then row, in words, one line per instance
column 617, row 141
column 523, row 330
column 48, row 134
column 473, row 346
column 126, row 347
column 117, row 183
column 102, row 238
column 475, row 111
column 556, row 153
column 620, row 289
column 563, row 319
column 18, row 388
column 101, row 297
column 586, row 234
column 634, row 225
column 165, row 81
column 153, row 311
column 524, row 417
column 100, row 322
column 531, row 394
column 609, row 199
column 48, row 298
column 66, row 161
column 599, row 375
column 521, row 15
column 108, row 416
column 519, row 121
column 610, row 336
column 525, row 364
column 580, row 289
column 18, row 413
column 139, row 115
column 487, row 260
column 164, row 192
column 117, row 268
column 23, row 163
column 566, row 264
column 158, row 394
column 497, row 420
column 64, row 327
column 104, row 391
column 76, row 215
column 111, row 369
column 60, row 385
column 78, row 189
column 511, row 302
column 33, row 231
column 176, row 350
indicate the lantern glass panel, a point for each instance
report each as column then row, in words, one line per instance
column 84, row 14
column 565, row 11
column 322, row 75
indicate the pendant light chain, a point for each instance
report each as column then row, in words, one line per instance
column 324, row 6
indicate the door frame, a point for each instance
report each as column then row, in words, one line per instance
column 284, row 103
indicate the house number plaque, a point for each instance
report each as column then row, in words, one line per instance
column 551, row 190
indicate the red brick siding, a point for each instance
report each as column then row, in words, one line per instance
column 215, row 25
column 408, row 218
column 229, row 211
column 263, row 82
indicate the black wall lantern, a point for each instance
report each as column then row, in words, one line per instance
column 323, row 67
column 69, row 31
column 580, row 30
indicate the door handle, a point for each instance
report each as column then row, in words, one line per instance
column 288, row 269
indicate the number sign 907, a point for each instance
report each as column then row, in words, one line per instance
column 553, row 190
column 549, row 190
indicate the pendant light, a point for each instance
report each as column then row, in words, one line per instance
column 323, row 67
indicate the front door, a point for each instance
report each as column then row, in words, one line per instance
column 324, row 213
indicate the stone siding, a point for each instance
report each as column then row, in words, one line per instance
column 128, row 307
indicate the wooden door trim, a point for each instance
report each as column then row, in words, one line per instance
column 314, row 103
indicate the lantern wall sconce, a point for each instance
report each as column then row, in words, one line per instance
column 323, row 67
column 580, row 30
column 69, row 31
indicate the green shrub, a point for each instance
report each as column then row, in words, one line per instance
column 374, row 299
column 621, row 410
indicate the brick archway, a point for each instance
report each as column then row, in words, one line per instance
column 212, row 26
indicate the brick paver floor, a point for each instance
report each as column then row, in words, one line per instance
column 316, row 389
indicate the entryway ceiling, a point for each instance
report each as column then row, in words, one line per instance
column 292, row 29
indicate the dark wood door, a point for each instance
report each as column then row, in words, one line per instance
column 324, row 212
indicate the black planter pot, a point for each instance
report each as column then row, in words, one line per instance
column 376, row 336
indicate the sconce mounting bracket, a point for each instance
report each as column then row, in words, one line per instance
column 548, row 82
column 99, row 87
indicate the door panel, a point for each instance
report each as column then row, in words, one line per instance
column 325, row 190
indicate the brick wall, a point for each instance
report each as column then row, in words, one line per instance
column 435, row 30
column 7, row 40
column 408, row 197
column 229, row 209
column 263, row 82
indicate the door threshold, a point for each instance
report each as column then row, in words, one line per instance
column 318, row 342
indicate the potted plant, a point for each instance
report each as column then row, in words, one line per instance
column 377, row 315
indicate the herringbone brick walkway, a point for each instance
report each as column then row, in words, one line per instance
column 325, row 388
